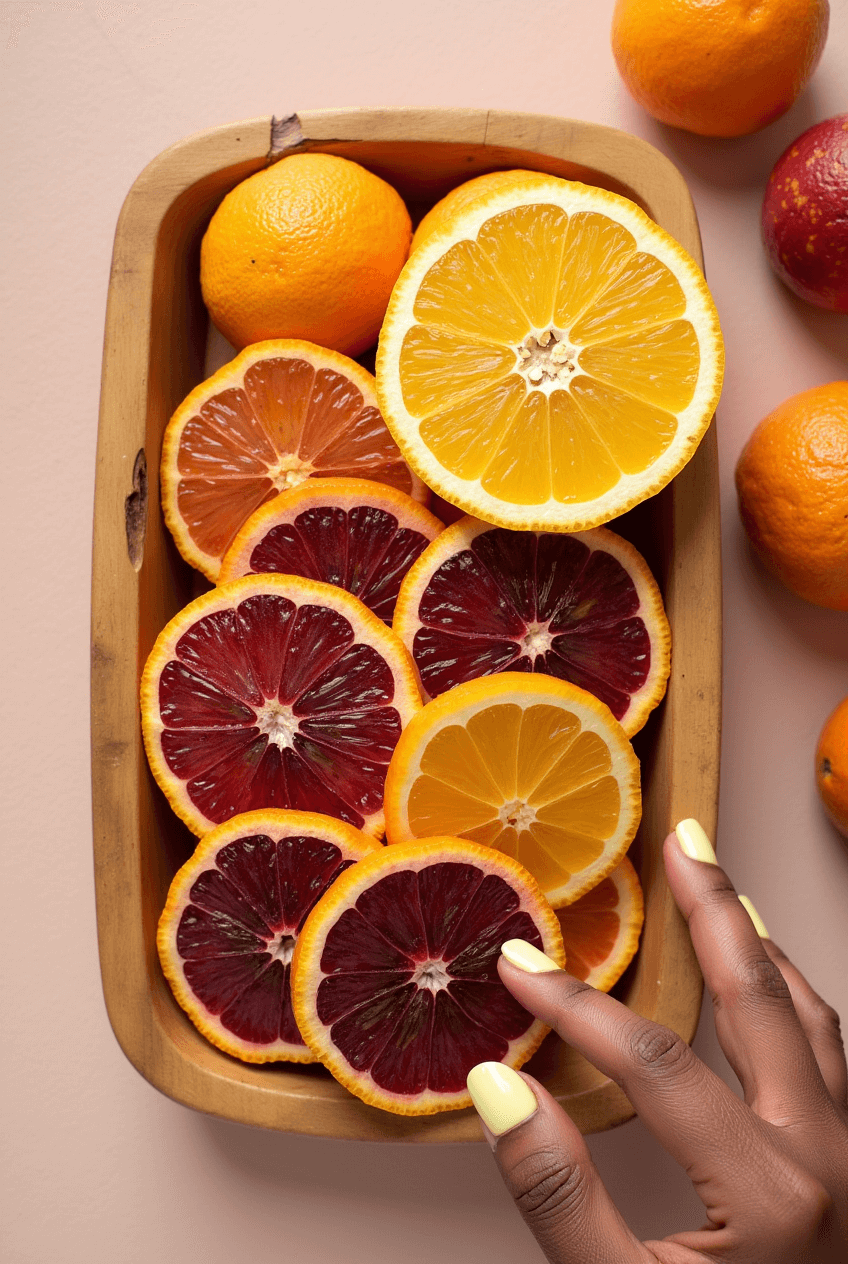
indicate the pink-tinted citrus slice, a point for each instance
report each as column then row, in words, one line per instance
column 601, row 930
column 583, row 608
column 395, row 984
column 234, row 912
column 357, row 534
column 274, row 691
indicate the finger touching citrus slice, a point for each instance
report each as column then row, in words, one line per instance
column 274, row 691
column 601, row 930
column 351, row 532
column 395, row 984
column 279, row 413
column 581, row 607
column 233, row 914
column 530, row 765
column 550, row 357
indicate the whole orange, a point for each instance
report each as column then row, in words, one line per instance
column 792, row 481
column 832, row 767
column 718, row 67
column 309, row 248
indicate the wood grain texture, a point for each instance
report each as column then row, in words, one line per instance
column 156, row 330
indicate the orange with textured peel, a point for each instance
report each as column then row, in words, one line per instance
column 395, row 983
column 276, row 415
column 232, row 918
column 357, row 534
column 832, row 766
column 274, row 691
column 601, row 930
column 308, row 248
column 550, row 357
column 581, row 607
column 529, row 765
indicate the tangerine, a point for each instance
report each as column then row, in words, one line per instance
column 832, row 767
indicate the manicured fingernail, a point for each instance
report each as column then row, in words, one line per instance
column 502, row 1099
column 694, row 841
column 525, row 957
column 759, row 924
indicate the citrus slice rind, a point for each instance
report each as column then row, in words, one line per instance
column 601, row 929
column 395, row 985
column 279, row 413
column 530, row 765
column 233, row 914
column 625, row 352
column 357, row 534
column 275, row 691
column 582, row 607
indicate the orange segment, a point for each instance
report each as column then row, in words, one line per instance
column 569, row 825
column 278, row 414
column 601, row 930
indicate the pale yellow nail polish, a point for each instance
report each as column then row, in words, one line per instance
column 501, row 1097
column 694, row 841
column 759, row 924
column 525, row 957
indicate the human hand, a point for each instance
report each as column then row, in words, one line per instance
column 772, row 1171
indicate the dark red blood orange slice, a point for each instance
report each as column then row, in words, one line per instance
column 234, row 912
column 395, row 984
column 583, row 607
column 357, row 534
column 275, row 691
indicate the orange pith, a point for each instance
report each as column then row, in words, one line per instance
column 550, row 356
column 583, row 607
column 275, row 691
column 358, row 534
column 530, row 765
column 395, row 984
column 601, row 930
column 280, row 413
column 232, row 917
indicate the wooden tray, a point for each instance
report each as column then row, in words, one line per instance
column 156, row 337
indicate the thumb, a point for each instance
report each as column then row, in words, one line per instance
column 547, row 1168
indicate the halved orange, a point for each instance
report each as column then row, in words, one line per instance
column 580, row 607
column 601, row 930
column 395, row 984
column 352, row 532
column 279, row 413
column 530, row 765
column 274, row 691
column 550, row 356
column 233, row 914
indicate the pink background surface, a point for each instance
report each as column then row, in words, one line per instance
column 99, row 1167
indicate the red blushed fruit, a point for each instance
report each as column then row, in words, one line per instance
column 805, row 215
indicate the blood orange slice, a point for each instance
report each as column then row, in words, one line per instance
column 279, row 413
column 357, row 534
column 531, row 765
column 395, row 983
column 232, row 918
column 275, row 691
column 601, row 930
column 580, row 607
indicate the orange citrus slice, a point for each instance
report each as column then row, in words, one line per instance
column 530, row 765
column 274, row 691
column 233, row 914
column 580, row 607
column 550, row 357
column 357, row 534
column 395, row 983
column 278, row 414
column 601, row 930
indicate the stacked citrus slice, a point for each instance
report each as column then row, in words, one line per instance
column 581, row 607
column 601, row 929
column 550, row 356
column 279, row 413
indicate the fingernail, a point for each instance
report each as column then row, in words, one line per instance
column 525, row 957
column 502, row 1099
column 694, row 841
column 759, row 924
